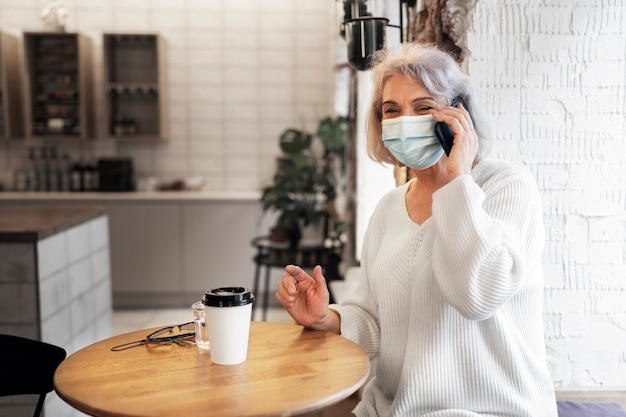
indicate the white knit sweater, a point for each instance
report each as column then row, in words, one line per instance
column 452, row 308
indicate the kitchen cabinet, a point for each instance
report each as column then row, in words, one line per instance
column 216, row 238
column 167, row 249
column 135, row 86
column 59, row 100
column 146, row 249
column 11, row 120
column 170, row 253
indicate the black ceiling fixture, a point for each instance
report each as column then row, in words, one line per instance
column 365, row 34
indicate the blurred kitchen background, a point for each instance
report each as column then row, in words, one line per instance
column 238, row 73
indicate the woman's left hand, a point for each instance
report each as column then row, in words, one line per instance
column 465, row 146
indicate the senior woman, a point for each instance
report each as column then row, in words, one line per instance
column 451, row 296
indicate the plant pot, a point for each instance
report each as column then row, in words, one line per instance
column 364, row 36
column 288, row 234
column 311, row 234
column 278, row 234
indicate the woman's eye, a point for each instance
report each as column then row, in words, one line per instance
column 390, row 111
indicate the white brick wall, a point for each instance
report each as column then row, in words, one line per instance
column 552, row 75
column 239, row 73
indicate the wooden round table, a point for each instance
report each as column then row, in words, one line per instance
column 289, row 371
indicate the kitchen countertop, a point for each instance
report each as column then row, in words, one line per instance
column 132, row 196
column 32, row 223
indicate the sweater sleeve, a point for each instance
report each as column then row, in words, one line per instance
column 485, row 238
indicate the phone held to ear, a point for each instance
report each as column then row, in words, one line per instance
column 444, row 131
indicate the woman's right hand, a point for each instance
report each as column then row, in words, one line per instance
column 463, row 154
column 306, row 299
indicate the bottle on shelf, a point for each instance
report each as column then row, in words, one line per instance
column 90, row 177
column 33, row 178
column 21, row 175
column 76, row 176
column 64, row 168
column 20, row 179
column 52, row 170
column 124, row 126
column 118, row 126
column 130, row 127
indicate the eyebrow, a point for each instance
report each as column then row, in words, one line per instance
column 414, row 101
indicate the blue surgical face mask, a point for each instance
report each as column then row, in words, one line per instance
column 412, row 141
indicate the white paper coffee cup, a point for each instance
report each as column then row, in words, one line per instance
column 228, row 313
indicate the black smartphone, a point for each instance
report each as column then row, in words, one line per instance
column 444, row 132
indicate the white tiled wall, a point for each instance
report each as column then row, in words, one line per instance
column 240, row 72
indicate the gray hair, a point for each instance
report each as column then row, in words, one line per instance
column 434, row 70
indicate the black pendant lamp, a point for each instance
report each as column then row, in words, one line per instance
column 364, row 33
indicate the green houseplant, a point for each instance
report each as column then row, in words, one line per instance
column 308, row 174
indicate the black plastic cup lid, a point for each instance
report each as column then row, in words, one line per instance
column 228, row 297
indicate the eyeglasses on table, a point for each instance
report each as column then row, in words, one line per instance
column 181, row 334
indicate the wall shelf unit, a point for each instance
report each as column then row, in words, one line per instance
column 135, row 89
column 59, row 87
column 11, row 119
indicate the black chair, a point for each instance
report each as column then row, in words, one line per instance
column 28, row 367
